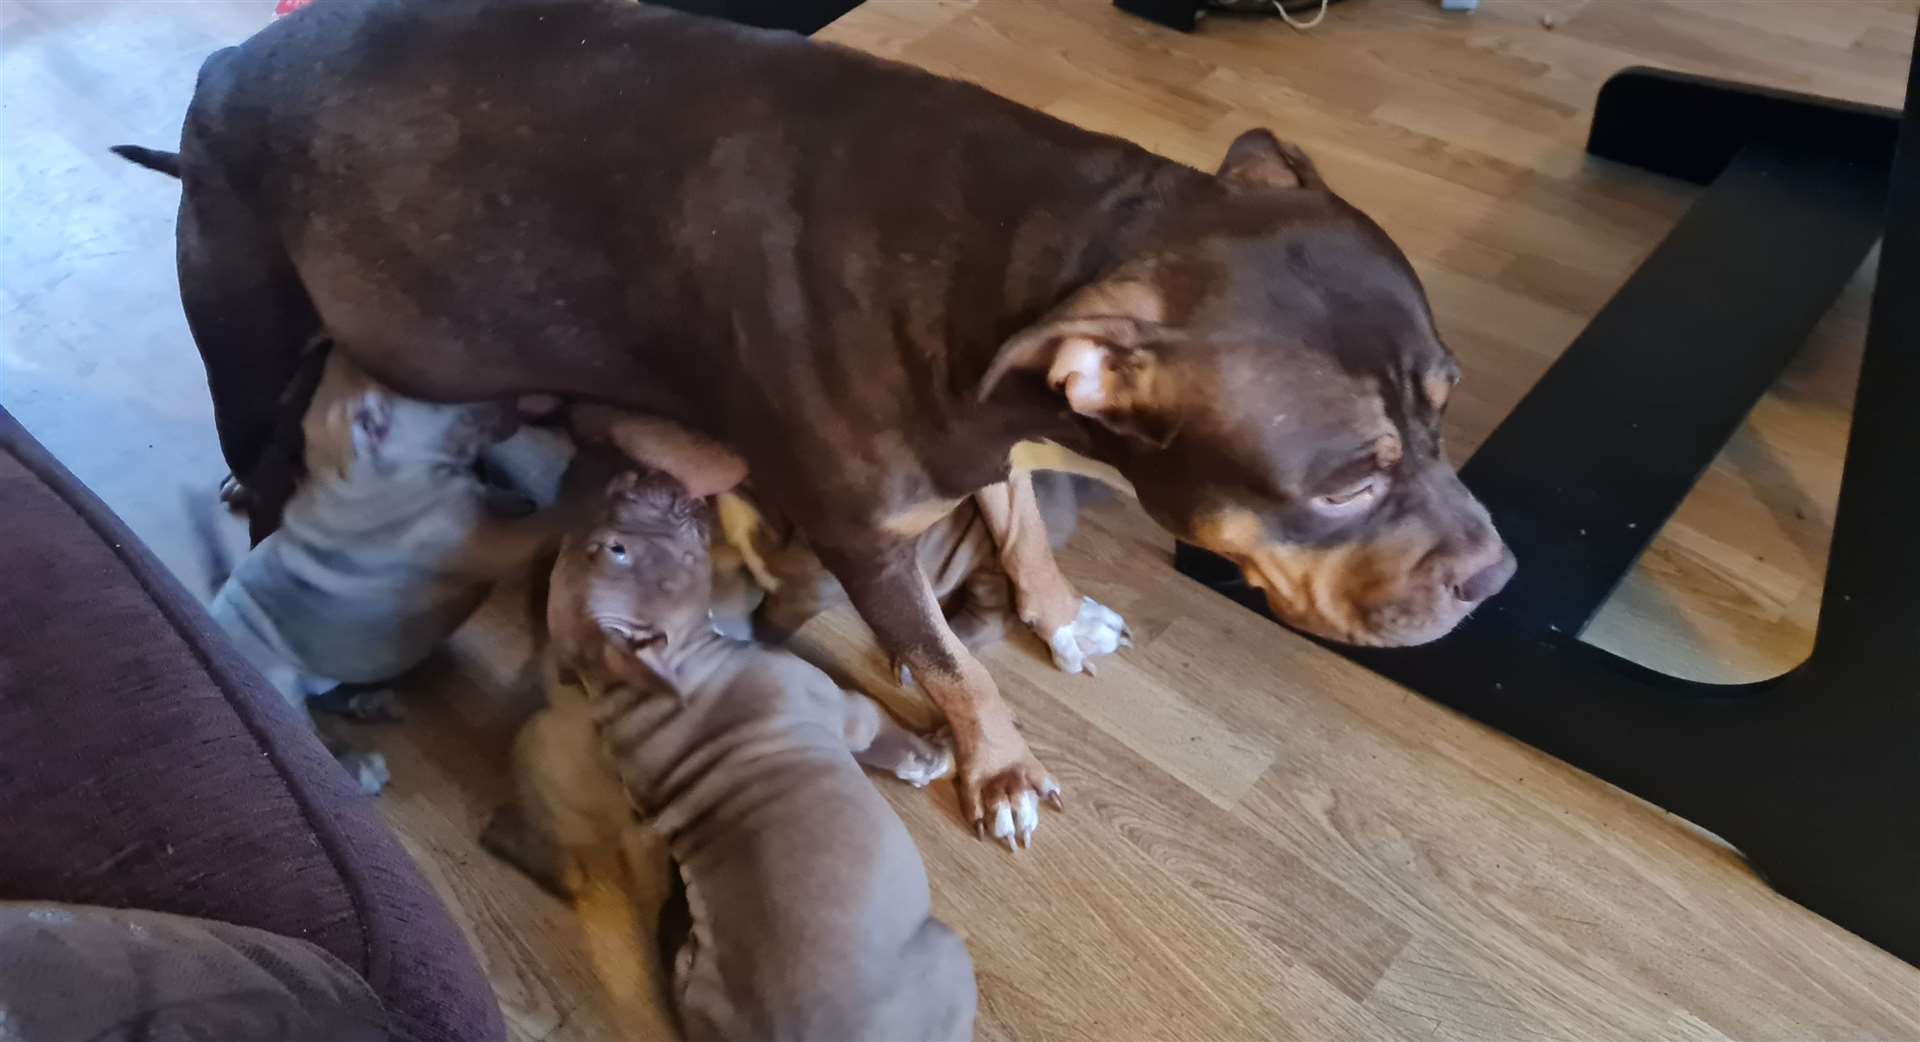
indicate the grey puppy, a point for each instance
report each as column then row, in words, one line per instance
column 810, row 916
column 388, row 545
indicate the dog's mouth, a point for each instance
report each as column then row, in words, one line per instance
column 1325, row 602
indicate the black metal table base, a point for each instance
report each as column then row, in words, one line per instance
column 1814, row 776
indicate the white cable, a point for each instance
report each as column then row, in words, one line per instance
column 1301, row 26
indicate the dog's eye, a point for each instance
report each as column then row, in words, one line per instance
column 1350, row 500
column 617, row 551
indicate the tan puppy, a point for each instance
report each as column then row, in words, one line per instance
column 958, row 554
column 810, row 916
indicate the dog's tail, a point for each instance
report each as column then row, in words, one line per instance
column 167, row 163
column 200, row 513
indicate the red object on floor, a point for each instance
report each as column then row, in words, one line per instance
column 287, row 7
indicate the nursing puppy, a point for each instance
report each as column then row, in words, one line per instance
column 809, row 910
column 387, row 546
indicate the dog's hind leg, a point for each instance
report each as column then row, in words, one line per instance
column 1075, row 628
column 252, row 321
column 981, row 611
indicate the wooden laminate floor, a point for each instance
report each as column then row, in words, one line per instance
column 1263, row 841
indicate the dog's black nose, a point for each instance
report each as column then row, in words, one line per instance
column 1487, row 581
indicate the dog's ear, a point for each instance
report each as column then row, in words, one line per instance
column 370, row 417
column 648, row 648
column 1257, row 159
column 1109, row 369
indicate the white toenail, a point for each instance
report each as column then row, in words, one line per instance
column 1003, row 822
column 1029, row 813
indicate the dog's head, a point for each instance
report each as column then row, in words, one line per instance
column 1267, row 374
column 354, row 422
column 638, row 582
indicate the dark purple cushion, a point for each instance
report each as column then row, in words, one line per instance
column 144, row 765
column 117, row 975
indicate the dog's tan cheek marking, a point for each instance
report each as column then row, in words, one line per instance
column 1310, row 587
column 1345, row 591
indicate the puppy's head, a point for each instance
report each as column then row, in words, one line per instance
column 1267, row 375
column 630, row 590
column 354, row 422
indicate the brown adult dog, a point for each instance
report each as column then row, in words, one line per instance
column 871, row 282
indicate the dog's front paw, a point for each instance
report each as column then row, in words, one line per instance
column 1004, row 802
column 1097, row 630
column 930, row 760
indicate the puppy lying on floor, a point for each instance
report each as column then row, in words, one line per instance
column 957, row 554
column 389, row 545
column 808, row 902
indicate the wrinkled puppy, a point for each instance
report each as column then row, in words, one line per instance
column 389, row 545
column 808, row 901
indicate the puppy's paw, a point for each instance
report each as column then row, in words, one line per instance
column 382, row 706
column 1096, row 630
column 378, row 706
column 513, row 839
column 930, row 760
column 235, row 495
column 368, row 770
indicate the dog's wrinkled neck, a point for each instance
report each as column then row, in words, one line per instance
column 1132, row 215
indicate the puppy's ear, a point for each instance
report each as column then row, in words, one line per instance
column 646, row 647
column 1109, row 369
column 623, row 484
column 371, row 419
column 1257, row 159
